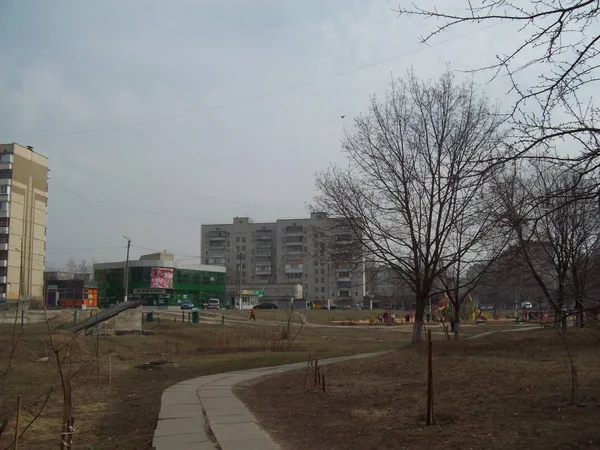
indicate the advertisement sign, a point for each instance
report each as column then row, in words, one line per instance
column 161, row 278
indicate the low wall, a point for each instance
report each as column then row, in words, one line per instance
column 126, row 322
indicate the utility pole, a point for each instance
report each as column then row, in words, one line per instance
column 240, row 257
column 126, row 274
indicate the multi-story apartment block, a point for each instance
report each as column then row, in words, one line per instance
column 23, row 206
column 317, row 252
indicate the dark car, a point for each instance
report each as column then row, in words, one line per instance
column 187, row 304
column 265, row 306
column 331, row 307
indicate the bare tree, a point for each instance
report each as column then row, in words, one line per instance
column 553, row 214
column 471, row 264
column 559, row 47
column 415, row 169
column 71, row 265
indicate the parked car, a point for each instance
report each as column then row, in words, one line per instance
column 213, row 303
column 265, row 306
column 187, row 304
column 332, row 306
column 347, row 307
column 355, row 306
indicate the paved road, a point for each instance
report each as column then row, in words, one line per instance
column 204, row 414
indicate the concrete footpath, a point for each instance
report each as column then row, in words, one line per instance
column 203, row 413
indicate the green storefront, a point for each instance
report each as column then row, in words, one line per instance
column 159, row 283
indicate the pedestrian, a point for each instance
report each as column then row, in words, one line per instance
column 428, row 317
column 407, row 318
column 252, row 315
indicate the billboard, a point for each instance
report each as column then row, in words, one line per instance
column 161, row 278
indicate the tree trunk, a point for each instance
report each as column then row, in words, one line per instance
column 417, row 334
column 456, row 322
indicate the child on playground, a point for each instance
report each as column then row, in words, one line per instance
column 252, row 315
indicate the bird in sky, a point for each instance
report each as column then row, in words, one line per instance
column 343, row 116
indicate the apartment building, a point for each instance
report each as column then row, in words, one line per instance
column 23, row 207
column 318, row 253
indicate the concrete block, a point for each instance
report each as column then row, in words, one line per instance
column 169, row 427
column 231, row 418
column 247, row 431
column 213, row 393
column 181, row 411
column 192, row 441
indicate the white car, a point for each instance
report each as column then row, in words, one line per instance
column 213, row 303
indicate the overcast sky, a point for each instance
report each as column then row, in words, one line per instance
column 159, row 116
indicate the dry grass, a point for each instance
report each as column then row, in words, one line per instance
column 507, row 390
column 123, row 414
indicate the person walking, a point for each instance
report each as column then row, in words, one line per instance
column 252, row 315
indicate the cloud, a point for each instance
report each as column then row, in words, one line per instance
column 78, row 66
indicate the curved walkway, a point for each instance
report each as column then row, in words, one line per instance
column 204, row 414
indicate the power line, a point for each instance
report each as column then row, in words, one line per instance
column 116, row 205
column 82, row 248
column 256, row 97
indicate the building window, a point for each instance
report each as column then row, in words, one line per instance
column 243, row 239
column 5, row 174
column 5, row 189
column 3, row 255
column 6, row 157
column 322, row 280
column 243, row 248
column 4, row 222
column 2, row 271
column 322, row 289
column 316, row 289
column 237, row 239
column 3, row 206
column 322, row 271
column 4, row 238
column 2, row 289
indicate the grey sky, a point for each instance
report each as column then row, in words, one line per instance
column 75, row 66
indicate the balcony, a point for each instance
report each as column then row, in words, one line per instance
column 294, row 268
column 4, row 246
column 263, row 270
column 263, row 236
column 218, row 235
column 3, row 279
column 3, row 263
column 294, row 231
column 263, row 244
column 4, row 230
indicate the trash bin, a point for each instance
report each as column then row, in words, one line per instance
column 195, row 316
column 150, row 316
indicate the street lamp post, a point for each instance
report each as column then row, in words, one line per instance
column 126, row 274
column 240, row 257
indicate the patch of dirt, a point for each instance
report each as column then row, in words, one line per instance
column 509, row 390
column 156, row 365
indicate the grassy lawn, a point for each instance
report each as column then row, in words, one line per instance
column 123, row 414
column 505, row 390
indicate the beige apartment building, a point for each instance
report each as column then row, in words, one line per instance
column 23, row 207
column 317, row 253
